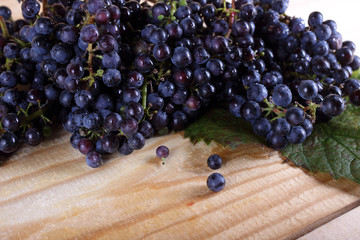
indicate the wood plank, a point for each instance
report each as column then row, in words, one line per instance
column 48, row 192
column 345, row 227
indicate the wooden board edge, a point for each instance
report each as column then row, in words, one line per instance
column 323, row 221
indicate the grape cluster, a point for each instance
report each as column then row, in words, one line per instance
column 116, row 72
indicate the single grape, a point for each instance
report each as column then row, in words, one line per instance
column 296, row 135
column 308, row 89
column 261, row 126
column 214, row 161
column 295, row 116
column 216, row 182
column 333, row 105
column 94, row 159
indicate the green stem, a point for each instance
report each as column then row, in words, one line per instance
column 8, row 64
column 4, row 28
column 144, row 92
column 20, row 43
column 173, row 9
column 39, row 113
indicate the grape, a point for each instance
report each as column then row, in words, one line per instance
column 92, row 121
column 69, row 34
column 257, row 93
column 158, row 35
column 146, row 129
column 216, row 182
column 189, row 26
column 136, row 141
column 124, row 148
column 10, row 122
column 8, row 79
column 296, row 135
column 181, row 57
column 159, row 120
column 160, row 8
column 297, row 25
column 261, row 126
column 308, row 126
column 174, row 30
column 104, row 101
column 94, row 5
column 201, row 55
column 112, row 77
column 250, row 110
column 219, row 45
column 207, row 90
column 161, row 52
column 281, row 127
column 214, row 161
column 179, row 121
column 33, row 137
column 215, row 66
column 315, row 19
column 110, row 143
column 44, row 25
column 135, row 79
column 75, row 70
column 333, row 105
column 308, row 89
column 355, row 97
column 5, row 12
column 111, row 60
column 143, row 63
column 295, row 116
column 129, row 126
column 107, row 44
column 208, row 11
column 30, row 8
column 323, row 32
column 85, row 146
column 8, row 142
column 83, row 98
column 220, row 27
column 275, row 141
column 345, row 56
column 282, row 95
column 94, row 159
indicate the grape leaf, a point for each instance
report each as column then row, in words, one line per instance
column 220, row 126
column 333, row 147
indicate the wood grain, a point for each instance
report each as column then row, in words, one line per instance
column 345, row 227
column 48, row 192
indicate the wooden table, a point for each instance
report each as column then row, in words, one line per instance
column 48, row 192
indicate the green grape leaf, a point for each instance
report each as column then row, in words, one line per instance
column 220, row 126
column 333, row 147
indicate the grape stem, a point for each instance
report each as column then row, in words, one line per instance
column 44, row 7
column 35, row 115
column 4, row 28
column 163, row 160
column 8, row 64
column 6, row 34
column 144, row 92
column 231, row 18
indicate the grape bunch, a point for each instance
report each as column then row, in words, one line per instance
column 116, row 72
